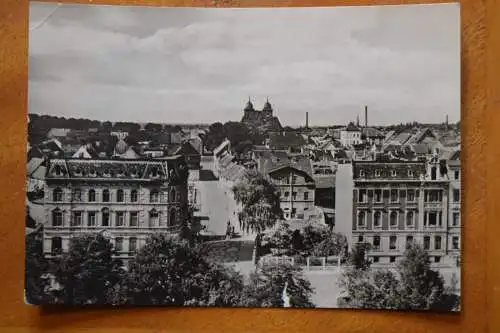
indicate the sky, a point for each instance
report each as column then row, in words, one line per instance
column 200, row 65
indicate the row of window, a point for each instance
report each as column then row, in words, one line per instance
column 77, row 219
column 286, row 194
column 378, row 173
column 376, row 244
column 431, row 196
column 393, row 219
column 392, row 259
column 431, row 219
column 76, row 195
column 56, row 244
column 286, row 179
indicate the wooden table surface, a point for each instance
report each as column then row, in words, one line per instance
column 481, row 211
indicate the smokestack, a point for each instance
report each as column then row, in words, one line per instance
column 366, row 116
column 307, row 120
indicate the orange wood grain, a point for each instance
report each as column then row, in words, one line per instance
column 481, row 211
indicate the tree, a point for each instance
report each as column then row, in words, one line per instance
column 266, row 286
column 153, row 127
column 88, row 273
column 36, row 267
column 321, row 241
column 260, row 201
column 358, row 257
column 169, row 271
column 370, row 290
column 281, row 240
column 422, row 287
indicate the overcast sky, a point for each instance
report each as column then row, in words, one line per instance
column 186, row 65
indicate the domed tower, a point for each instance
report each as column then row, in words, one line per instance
column 248, row 110
column 267, row 110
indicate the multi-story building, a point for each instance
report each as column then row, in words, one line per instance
column 396, row 203
column 454, row 224
column 350, row 136
column 126, row 199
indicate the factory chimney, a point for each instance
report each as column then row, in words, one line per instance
column 366, row 116
column 307, row 120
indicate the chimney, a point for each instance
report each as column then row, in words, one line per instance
column 307, row 120
column 366, row 116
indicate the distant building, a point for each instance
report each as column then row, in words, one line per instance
column 261, row 119
column 290, row 142
column 350, row 135
column 57, row 133
column 393, row 205
column 120, row 135
column 454, row 220
column 127, row 200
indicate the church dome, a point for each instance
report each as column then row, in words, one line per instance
column 249, row 106
column 121, row 147
column 267, row 106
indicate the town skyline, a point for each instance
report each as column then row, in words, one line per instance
column 187, row 64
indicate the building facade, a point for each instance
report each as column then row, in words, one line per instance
column 398, row 203
column 297, row 191
column 350, row 136
column 128, row 200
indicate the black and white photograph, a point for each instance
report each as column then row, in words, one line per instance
column 244, row 157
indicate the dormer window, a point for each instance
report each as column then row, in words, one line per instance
column 106, row 172
column 410, row 173
column 78, row 171
column 57, row 170
column 377, row 173
column 92, row 172
column 154, row 172
column 361, row 173
column 393, row 173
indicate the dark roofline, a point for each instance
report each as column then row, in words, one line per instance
column 156, row 159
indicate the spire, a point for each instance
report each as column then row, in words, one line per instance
column 357, row 120
column 249, row 106
column 267, row 106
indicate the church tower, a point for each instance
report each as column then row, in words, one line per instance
column 267, row 111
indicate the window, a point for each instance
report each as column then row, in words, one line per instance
column 57, row 218
column 377, row 219
column 56, row 246
column 120, row 219
column 361, row 173
column 154, row 196
column 457, row 175
column 410, row 195
column 294, row 179
column 91, row 219
column 105, row 217
column 77, row 194
column 105, row 196
column 437, row 259
column 91, row 195
column 393, row 218
column 294, row 211
column 119, row 196
column 392, row 242
column 392, row 259
column 409, row 241
column 432, row 219
column 76, row 221
column 375, row 259
column 378, row 195
column 154, row 218
column 173, row 195
column 433, row 196
column 393, row 173
column 377, row 173
column 427, row 242
column 57, row 195
column 437, row 242
column 134, row 219
column 456, row 219
column 361, row 219
column 360, row 239
column 455, row 243
column 410, row 173
column 118, row 244
column 133, row 196
column 394, row 196
column 456, row 195
column 173, row 217
column 376, row 242
column 287, row 194
column 362, row 196
column 132, row 244
column 294, row 195
column 410, row 218
column 306, row 196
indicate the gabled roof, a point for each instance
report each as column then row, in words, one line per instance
column 36, row 168
column 186, row 148
column 352, row 128
column 370, row 132
column 286, row 140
